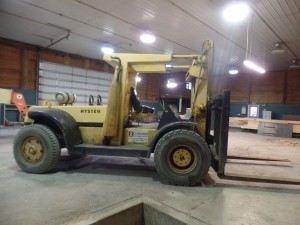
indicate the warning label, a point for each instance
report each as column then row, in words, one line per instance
column 137, row 136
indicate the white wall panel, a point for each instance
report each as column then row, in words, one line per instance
column 56, row 77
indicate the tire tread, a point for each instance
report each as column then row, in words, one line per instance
column 54, row 153
column 175, row 133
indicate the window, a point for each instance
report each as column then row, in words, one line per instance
column 188, row 85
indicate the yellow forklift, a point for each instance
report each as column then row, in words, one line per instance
column 183, row 149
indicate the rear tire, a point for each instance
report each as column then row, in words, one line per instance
column 36, row 149
column 182, row 157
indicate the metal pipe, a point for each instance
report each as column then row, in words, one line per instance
column 38, row 60
column 119, row 66
column 65, row 37
column 181, row 66
column 180, row 105
column 185, row 56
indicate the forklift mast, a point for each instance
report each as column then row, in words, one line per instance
column 128, row 65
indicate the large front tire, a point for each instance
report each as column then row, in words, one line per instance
column 36, row 149
column 182, row 157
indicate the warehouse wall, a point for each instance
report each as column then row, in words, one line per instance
column 18, row 63
column 278, row 110
column 18, row 70
column 276, row 91
column 154, row 86
column 275, row 87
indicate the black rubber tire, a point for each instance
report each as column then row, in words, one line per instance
column 177, row 138
column 49, row 142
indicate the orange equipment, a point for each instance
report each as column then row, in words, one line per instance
column 11, row 97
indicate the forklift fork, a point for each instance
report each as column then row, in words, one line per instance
column 218, row 119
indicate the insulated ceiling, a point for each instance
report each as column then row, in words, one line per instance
column 180, row 28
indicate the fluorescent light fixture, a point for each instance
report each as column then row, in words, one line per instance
column 233, row 71
column 168, row 66
column 138, row 79
column 147, row 38
column 253, row 66
column 236, row 12
column 171, row 83
column 107, row 49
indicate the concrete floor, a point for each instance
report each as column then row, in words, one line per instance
column 79, row 190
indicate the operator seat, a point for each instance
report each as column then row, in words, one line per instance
column 136, row 104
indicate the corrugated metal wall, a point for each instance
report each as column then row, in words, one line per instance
column 55, row 77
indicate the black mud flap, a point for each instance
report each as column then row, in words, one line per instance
column 58, row 121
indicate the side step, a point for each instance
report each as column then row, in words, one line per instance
column 123, row 150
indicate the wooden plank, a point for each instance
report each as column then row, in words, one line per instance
column 292, row 89
column 94, row 65
column 268, row 88
column 250, row 124
column 216, row 85
column 292, row 99
column 51, row 57
column 75, row 62
column 239, row 87
column 10, row 57
column 270, row 82
column 32, row 75
column 236, row 122
column 296, row 128
column 9, row 78
column 266, row 97
column 25, row 69
column 142, row 87
column 253, row 123
column 32, row 54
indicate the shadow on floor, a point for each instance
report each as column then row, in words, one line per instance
column 119, row 166
column 122, row 166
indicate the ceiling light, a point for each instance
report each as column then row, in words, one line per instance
column 107, row 49
column 278, row 49
column 138, row 79
column 147, row 38
column 233, row 71
column 168, row 66
column 253, row 66
column 171, row 83
column 236, row 12
column 295, row 64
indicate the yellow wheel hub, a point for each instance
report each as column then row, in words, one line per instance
column 32, row 150
column 182, row 157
